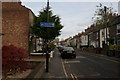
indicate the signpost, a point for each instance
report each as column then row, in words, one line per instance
column 47, row 24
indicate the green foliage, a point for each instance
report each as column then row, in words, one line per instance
column 44, row 32
column 114, row 47
column 51, row 46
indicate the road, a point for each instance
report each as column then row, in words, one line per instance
column 90, row 66
column 85, row 65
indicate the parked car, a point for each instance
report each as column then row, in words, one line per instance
column 60, row 48
column 68, row 52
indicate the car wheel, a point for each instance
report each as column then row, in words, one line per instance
column 62, row 56
column 74, row 56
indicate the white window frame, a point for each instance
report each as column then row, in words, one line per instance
column 118, row 28
column 118, row 41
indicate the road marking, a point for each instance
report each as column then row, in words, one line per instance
column 64, row 69
column 74, row 77
column 71, row 61
column 80, row 57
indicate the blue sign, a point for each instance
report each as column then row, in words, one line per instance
column 47, row 24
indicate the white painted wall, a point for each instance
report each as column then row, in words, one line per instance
column 103, row 35
column 84, row 40
column 39, row 41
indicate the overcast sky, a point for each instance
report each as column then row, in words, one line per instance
column 75, row 16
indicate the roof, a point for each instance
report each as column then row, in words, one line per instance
column 116, row 21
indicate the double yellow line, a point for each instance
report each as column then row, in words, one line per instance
column 74, row 77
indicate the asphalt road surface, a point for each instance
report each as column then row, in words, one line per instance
column 90, row 66
column 85, row 65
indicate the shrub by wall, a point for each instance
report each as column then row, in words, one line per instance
column 13, row 60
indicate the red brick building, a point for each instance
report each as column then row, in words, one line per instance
column 0, row 24
column 114, row 30
column 16, row 20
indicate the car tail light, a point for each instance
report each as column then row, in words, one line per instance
column 64, row 51
column 74, row 52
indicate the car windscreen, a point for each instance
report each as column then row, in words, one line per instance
column 68, row 49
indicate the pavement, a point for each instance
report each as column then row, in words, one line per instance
column 37, row 71
column 55, row 68
column 40, row 68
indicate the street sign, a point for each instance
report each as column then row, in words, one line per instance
column 47, row 24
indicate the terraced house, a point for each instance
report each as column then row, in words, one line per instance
column 115, row 31
column 98, row 37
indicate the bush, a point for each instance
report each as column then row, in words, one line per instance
column 51, row 46
column 13, row 59
column 114, row 50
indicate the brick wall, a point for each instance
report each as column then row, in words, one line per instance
column 0, row 25
column 15, row 25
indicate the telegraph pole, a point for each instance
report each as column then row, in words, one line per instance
column 105, row 10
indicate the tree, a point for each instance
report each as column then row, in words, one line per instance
column 44, row 32
column 103, row 16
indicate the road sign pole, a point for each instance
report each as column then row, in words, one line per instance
column 47, row 25
column 47, row 55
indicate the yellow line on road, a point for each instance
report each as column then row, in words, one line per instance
column 74, row 77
